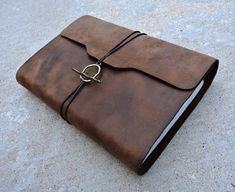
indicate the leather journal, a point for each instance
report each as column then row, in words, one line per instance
column 128, row 91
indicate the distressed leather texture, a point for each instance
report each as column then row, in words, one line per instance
column 143, row 85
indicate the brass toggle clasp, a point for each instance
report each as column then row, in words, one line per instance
column 87, row 78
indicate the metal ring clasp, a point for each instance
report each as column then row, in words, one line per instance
column 87, row 78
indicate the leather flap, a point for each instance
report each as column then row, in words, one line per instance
column 178, row 66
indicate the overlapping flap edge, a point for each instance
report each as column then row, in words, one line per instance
column 175, row 65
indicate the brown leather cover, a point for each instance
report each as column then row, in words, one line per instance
column 143, row 86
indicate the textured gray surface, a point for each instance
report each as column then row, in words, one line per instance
column 40, row 152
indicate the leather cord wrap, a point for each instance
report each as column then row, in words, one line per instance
column 70, row 98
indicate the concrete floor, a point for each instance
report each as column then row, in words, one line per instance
column 40, row 152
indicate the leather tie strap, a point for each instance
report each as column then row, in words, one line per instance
column 86, row 78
